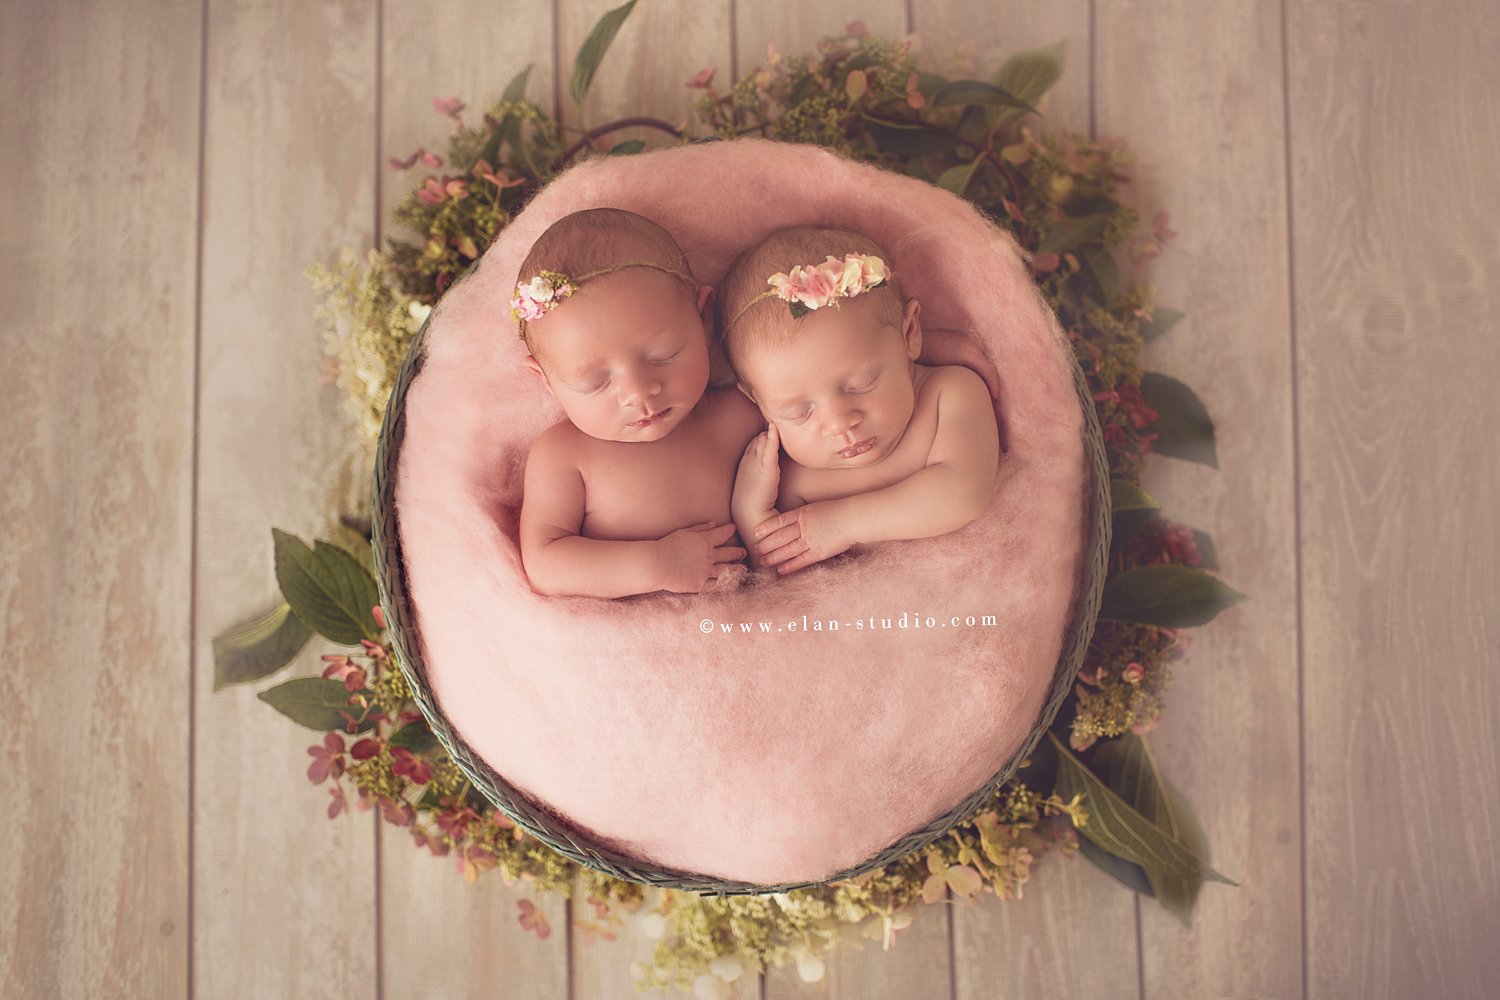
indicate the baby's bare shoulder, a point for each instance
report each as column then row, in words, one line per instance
column 558, row 448
column 947, row 386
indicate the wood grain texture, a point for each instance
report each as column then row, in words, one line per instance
column 1071, row 934
column 167, row 842
column 1195, row 89
column 442, row 936
column 659, row 48
column 1395, row 125
column 95, row 571
column 284, row 898
column 1073, row 931
column 794, row 27
column 963, row 39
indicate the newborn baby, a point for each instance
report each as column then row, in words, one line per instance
column 878, row 447
column 631, row 493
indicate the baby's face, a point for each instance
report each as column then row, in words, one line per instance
column 626, row 355
column 840, row 391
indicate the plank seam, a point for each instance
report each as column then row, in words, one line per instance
column 193, row 546
column 1291, row 263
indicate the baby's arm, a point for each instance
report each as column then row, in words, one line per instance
column 952, row 490
column 756, row 485
column 559, row 561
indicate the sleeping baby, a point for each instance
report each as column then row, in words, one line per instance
column 630, row 494
column 877, row 446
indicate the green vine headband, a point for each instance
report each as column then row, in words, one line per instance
column 822, row 285
column 543, row 293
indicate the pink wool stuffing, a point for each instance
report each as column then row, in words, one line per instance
column 655, row 724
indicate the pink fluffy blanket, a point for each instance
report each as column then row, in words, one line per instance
column 679, row 729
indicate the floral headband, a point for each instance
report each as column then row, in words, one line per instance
column 822, row 285
column 543, row 293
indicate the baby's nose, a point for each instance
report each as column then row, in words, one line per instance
column 635, row 391
column 840, row 423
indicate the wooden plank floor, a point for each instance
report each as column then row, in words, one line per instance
column 175, row 164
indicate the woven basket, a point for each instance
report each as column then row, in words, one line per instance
column 550, row 828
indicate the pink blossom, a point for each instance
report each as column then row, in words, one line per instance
column 410, row 765
column 702, row 78
column 913, row 95
column 485, row 172
column 407, row 163
column 432, row 160
column 1133, row 673
column 378, row 613
column 344, row 669
column 857, row 29
column 533, row 919
column 328, row 759
column 432, row 192
column 449, row 106
column 1161, row 227
column 339, row 802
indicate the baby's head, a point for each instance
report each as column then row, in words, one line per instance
column 615, row 324
column 837, row 381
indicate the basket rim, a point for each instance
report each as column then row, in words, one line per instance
column 589, row 850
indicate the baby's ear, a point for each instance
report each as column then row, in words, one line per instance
column 536, row 366
column 911, row 328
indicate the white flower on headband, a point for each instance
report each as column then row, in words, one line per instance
column 542, row 293
column 815, row 287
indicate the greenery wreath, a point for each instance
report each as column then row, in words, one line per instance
column 1095, row 774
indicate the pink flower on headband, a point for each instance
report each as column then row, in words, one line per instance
column 817, row 286
column 542, row 293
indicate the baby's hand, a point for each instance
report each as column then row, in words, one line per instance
column 798, row 538
column 759, row 476
column 693, row 557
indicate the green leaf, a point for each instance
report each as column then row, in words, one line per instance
column 1131, row 771
column 259, row 648
column 628, row 148
column 1165, row 595
column 1129, row 874
column 1105, row 272
column 356, row 544
column 508, row 130
column 414, row 736
column 1120, row 829
column 1184, row 428
column 1072, row 233
column 1206, row 549
column 910, row 138
column 1132, row 507
column 591, row 53
column 956, row 179
column 327, row 589
column 516, row 89
column 1162, row 320
column 1029, row 75
column 314, row 702
column 977, row 93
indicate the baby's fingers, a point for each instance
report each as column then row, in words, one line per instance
column 791, row 550
column 722, row 534
column 804, row 559
column 773, row 445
